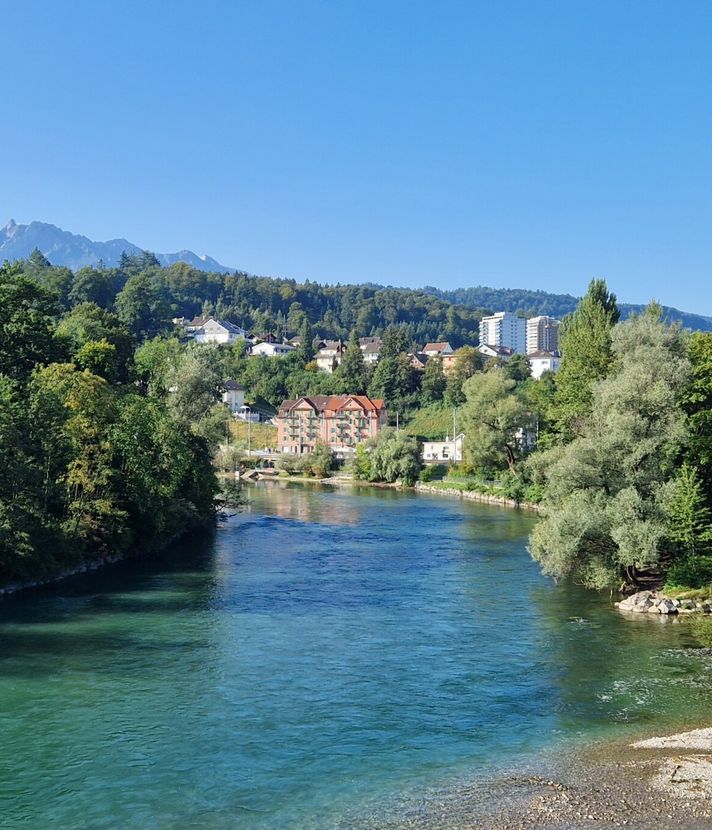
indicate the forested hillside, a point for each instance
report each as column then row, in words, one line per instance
column 530, row 303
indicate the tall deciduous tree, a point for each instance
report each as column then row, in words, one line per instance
column 494, row 420
column 604, row 517
column 27, row 324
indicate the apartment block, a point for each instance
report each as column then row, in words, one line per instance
column 542, row 334
column 504, row 329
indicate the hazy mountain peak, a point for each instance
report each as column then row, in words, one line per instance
column 74, row 251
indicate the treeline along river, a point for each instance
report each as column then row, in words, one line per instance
column 327, row 658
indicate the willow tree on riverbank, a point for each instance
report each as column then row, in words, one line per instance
column 604, row 512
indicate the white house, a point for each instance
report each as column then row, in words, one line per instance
column 541, row 362
column 272, row 349
column 500, row 352
column 504, row 329
column 437, row 349
column 233, row 396
column 448, row 450
column 218, row 331
column 371, row 348
column 330, row 355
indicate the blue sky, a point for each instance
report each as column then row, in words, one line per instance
column 514, row 144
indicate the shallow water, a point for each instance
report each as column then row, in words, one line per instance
column 326, row 659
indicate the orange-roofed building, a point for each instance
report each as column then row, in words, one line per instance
column 339, row 421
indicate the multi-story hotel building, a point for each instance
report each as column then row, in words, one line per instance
column 339, row 421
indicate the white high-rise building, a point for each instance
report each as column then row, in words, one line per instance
column 542, row 334
column 504, row 329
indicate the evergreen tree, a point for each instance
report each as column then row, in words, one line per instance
column 352, row 368
column 586, row 356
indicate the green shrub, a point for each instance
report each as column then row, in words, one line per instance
column 690, row 572
column 432, row 472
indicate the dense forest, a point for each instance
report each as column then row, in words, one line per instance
column 92, row 462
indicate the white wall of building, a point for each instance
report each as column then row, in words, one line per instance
column 504, row 329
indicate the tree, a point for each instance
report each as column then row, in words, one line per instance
column 689, row 528
column 494, row 421
column 318, row 462
column 306, row 345
column 518, row 368
column 468, row 361
column 352, row 369
column 434, row 382
column 394, row 380
column 141, row 305
column 395, row 456
column 586, row 356
column 697, row 402
column 96, row 285
column 87, row 324
column 604, row 518
column 396, row 340
column 27, row 325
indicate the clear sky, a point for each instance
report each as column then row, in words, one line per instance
column 514, row 144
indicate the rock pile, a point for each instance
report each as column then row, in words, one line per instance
column 652, row 602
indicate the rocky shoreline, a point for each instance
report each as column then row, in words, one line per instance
column 474, row 495
column 655, row 602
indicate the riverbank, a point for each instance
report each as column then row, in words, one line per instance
column 474, row 495
column 95, row 564
column 641, row 785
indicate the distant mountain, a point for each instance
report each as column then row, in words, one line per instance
column 533, row 303
column 74, row 251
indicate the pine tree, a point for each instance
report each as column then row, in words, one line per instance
column 352, row 369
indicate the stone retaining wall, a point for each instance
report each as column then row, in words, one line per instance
column 474, row 495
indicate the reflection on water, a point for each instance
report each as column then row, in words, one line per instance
column 325, row 659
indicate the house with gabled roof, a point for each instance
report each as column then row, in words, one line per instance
column 342, row 422
column 212, row 330
column 495, row 352
column 437, row 349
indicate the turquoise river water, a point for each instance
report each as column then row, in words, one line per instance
column 326, row 659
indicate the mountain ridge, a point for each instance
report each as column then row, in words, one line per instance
column 75, row 251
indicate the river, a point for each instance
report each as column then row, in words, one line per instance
column 327, row 658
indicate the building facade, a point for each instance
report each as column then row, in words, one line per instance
column 271, row 349
column 217, row 331
column 233, row 396
column 339, row 421
column 541, row 362
column 542, row 334
column 448, row 450
column 504, row 329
